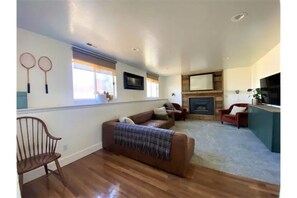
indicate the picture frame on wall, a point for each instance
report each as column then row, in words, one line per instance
column 132, row 81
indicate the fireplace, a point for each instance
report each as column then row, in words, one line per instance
column 202, row 105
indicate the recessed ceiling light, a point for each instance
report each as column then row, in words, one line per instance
column 239, row 16
column 91, row 45
column 135, row 49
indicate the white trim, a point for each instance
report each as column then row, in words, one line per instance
column 62, row 108
column 63, row 162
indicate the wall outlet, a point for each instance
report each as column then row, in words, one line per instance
column 65, row 147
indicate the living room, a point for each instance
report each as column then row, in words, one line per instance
column 79, row 122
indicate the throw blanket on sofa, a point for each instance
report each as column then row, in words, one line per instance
column 149, row 140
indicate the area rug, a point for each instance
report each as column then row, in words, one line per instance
column 229, row 149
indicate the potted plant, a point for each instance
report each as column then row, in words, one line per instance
column 256, row 94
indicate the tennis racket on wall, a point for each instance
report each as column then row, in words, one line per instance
column 28, row 61
column 45, row 64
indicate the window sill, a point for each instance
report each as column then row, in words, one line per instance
column 80, row 106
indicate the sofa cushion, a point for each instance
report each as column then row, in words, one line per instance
column 161, row 117
column 155, row 123
column 142, row 117
column 160, row 111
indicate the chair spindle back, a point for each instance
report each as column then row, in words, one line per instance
column 33, row 138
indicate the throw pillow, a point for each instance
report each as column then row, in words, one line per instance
column 126, row 120
column 237, row 109
column 160, row 110
column 161, row 116
column 122, row 119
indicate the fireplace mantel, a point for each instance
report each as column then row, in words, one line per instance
column 202, row 92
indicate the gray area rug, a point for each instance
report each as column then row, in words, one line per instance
column 229, row 149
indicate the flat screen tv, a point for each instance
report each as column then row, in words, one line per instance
column 201, row 82
column 132, row 81
column 271, row 89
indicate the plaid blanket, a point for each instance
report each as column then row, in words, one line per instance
column 149, row 140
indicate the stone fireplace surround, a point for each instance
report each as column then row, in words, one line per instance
column 217, row 93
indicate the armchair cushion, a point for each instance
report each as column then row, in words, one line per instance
column 169, row 106
column 237, row 109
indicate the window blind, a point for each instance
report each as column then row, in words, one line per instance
column 152, row 77
column 99, row 63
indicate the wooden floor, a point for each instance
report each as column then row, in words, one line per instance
column 103, row 174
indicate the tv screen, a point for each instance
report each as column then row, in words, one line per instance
column 270, row 87
column 132, row 81
column 201, row 82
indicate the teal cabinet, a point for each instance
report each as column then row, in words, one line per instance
column 264, row 122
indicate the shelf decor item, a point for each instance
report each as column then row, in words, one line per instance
column 28, row 61
column 256, row 94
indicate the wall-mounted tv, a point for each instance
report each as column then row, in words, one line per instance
column 201, row 82
column 270, row 88
column 132, row 81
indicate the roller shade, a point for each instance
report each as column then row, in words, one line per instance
column 83, row 56
column 152, row 77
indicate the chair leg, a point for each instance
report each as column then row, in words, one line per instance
column 21, row 183
column 46, row 169
column 60, row 172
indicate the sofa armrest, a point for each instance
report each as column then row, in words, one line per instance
column 223, row 111
column 170, row 113
column 107, row 134
column 241, row 115
column 182, row 151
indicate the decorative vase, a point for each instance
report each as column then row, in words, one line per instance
column 256, row 101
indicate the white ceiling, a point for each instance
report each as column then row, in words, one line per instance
column 174, row 37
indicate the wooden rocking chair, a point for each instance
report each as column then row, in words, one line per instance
column 35, row 147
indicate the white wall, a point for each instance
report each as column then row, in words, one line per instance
column 237, row 79
column 59, row 78
column 172, row 84
column 249, row 77
column 80, row 127
column 266, row 66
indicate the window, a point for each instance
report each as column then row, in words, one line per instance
column 91, row 78
column 152, row 84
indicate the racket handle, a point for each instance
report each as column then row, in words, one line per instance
column 28, row 87
column 46, row 89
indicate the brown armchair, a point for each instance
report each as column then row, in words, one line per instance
column 179, row 111
column 239, row 119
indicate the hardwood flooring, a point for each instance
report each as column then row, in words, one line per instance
column 103, row 174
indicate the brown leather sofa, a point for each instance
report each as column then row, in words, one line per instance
column 182, row 146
